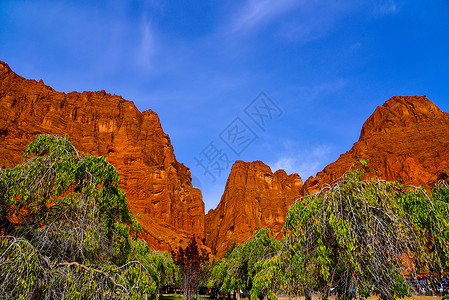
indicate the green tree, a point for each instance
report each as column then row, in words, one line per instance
column 429, row 212
column 358, row 235
column 160, row 264
column 66, row 229
column 245, row 263
column 192, row 262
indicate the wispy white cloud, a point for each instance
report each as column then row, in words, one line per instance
column 257, row 13
column 385, row 8
column 329, row 87
column 315, row 19
column 304, row 161
column 310, row 93
column 354, row 47
column 288, row 164
column 147, row 43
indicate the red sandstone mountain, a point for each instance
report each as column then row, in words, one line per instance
column 158, row 188
column 254, row 197
column 406, row 138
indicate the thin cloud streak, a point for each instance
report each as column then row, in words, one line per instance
column 256, row 14
column 147, row 46
column 309, row 56
column 386, row 8
column 305, row 162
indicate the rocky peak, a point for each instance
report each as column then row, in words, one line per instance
column 400, row 111
column 4, row 68
column 254, row 197
column 405, row 139
column 157, row 186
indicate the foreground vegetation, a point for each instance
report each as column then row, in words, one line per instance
column 353, row 237
column 66, row 232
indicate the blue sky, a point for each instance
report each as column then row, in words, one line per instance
column 325, row 64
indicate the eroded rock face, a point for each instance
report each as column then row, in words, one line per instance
column 157, row 186
column 406, row 138
column 254, row 197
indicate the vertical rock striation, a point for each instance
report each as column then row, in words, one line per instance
column 157, row 186
column 254, row 197
column 406, row 138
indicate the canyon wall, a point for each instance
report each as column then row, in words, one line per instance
column 254, row 197
column 406, row 139
column 157, row 186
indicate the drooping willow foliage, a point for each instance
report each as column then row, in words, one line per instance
column 66, row 231
column 242, row 268
column 28, row 273
column 352, row 238
column 362, row 236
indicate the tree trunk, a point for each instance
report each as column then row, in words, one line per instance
column 307, row 295
column 383, row 296
column 325, row 293
column 8, row 226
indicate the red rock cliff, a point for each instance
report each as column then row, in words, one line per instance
column 254, row 197
column 406, row 138
column 158, row 188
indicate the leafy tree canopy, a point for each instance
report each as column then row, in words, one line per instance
column 192, row 262
column 67, row 231
column 239, row 269
column 358, row 235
